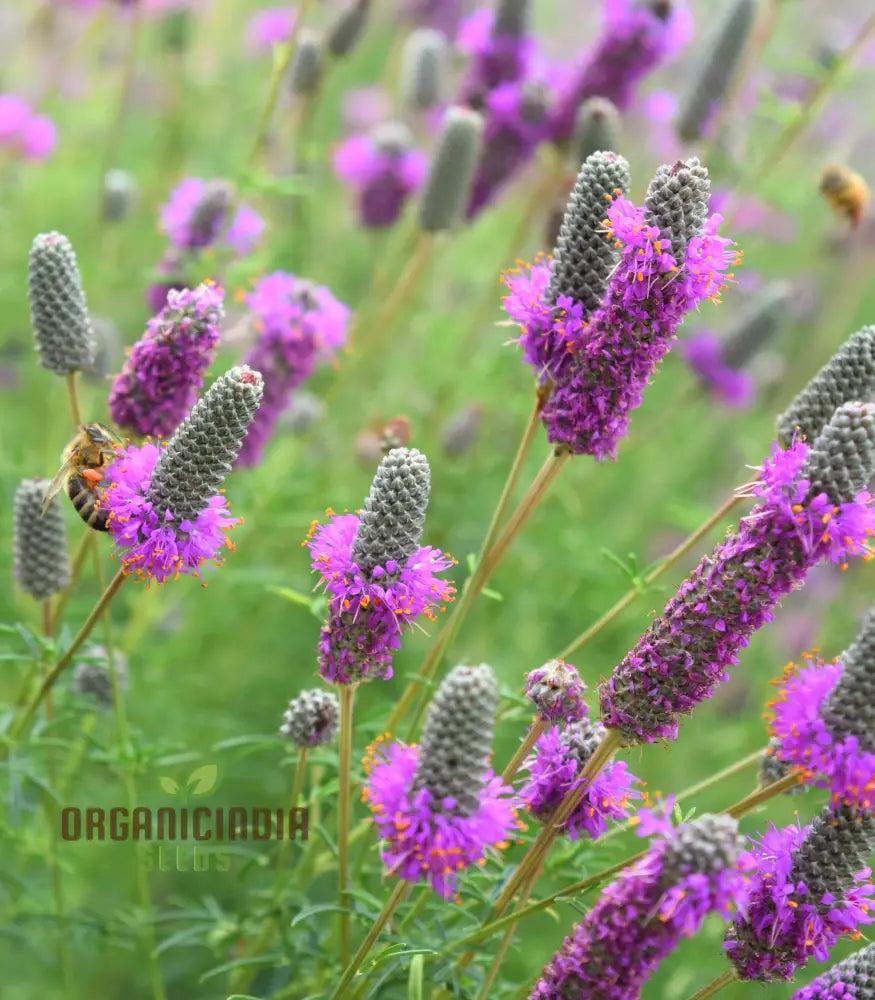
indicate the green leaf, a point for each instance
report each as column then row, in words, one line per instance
column 202, row 779
column 295, row 596
column 312, row 910
column 169, row 785
column 414, row 981
column 493, row 595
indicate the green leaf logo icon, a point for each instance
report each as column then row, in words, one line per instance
column 169, row 785
column 202, row 780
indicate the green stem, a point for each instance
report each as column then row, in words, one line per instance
column 347, row 693
column 714, row 987
column 474, row 584
column 763, row 794
column 498, row 961
column 523, row 750
column 640, row 587
column 397, row 896
column 73, row 396
column 18, row 726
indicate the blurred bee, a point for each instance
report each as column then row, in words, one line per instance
column 82, row 470
column 845, row 190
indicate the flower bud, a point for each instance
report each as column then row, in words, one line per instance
column 451, row 172
column 312, row 719
column 41, row 564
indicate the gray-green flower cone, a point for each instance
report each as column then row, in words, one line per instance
column 40, row 562
column 677, row 203
column 842, row 458
column 312, row 719
column 850, row 708
column 451, row 172
column 597, row 127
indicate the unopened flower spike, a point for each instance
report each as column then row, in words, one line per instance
column 851, row 979
column 312, row 719
column 824, row 720
column 596, row 129
column 40, row 561
column 720, row 60
column 555, row 766
column 812, row 507
column 166, row 513
column 438, row 806
column 557, row 691
column 305, row 73
column 379, row 579
column 58, row 310
column 451, row 172
column 343, row 36
column 809, row 887
column 424, row 69
column 91, row 675
column 849, row 375
column 688, row 872
column 119, row 192
column 164, row 370
column 499, row 47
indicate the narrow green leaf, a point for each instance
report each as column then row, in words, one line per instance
column 414, row 982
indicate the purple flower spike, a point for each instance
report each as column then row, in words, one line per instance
column 299, row 326
column 812, row 508
column 378, row 577
column 555, row 767
column 852, row 979
column 557, row 692
column 164, row 370
column 703, row 352
column 438, row 807
column 823, row 721
column 640, row 918
column 383, row 170
column 197, row 211
column 810, row 887
column 270, row 26
column 495, row 58
column 166, row 513
column 23, row 133
column 638, row 35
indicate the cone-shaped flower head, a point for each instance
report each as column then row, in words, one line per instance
column 597, row 128
column 677, row 203
column 312, row 718
column 41, row 565
column 424, row 69
column 848, row 375
column 852, row 979
column 91, row 675
column 165, row 511
column 640, row 918
column 378, row 577
column 824, row 721
column 299, row 326
column 556, row 766
column 637, row 36
column 344, row 34
column 451, row 172
column 557, row 691
column 720, row 59
column 499, row 49
column 164, row 370
column 717, row 361
column 58, row 311
column 119, row 191
column 810, row 887
column 811, row 507
column 383, row 169
column 305, row 73
column 196, row 213
column 438, row 806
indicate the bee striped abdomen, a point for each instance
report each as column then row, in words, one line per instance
column 84, row 500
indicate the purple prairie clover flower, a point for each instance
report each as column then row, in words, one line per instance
column 22, row 132
column 638, row 35
column 703, row 352
column 852, row 979
column 495, row 59
column 164, row 370
column 298, row 326
column 383, row 169
column 812, row 508
column 555, row 767
column 557, row 692
column 809, row 887
column 270, row 26
column 514, row 117
column 166, row 514
column 379, row 579
column 196, row 213
column 438, row 806
column 822, row 721
column 689, row 872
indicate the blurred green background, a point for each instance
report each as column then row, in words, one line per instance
column 212, row 669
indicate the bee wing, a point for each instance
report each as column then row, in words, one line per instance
column 55, row 485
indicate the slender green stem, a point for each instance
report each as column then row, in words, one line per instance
column 397, row 896
column 714, row 987
column 347, row 693
column 73, row 396
column 52, row 676
column 110, row 155
column 498, row 960
column 414, row 910
column 534, row 858
column 523, row 750
column 475, row 583
column 670, row 560
column 763, row 794
column 297, row 788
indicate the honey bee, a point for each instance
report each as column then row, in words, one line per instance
column 846, row 191
column 82, row 470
